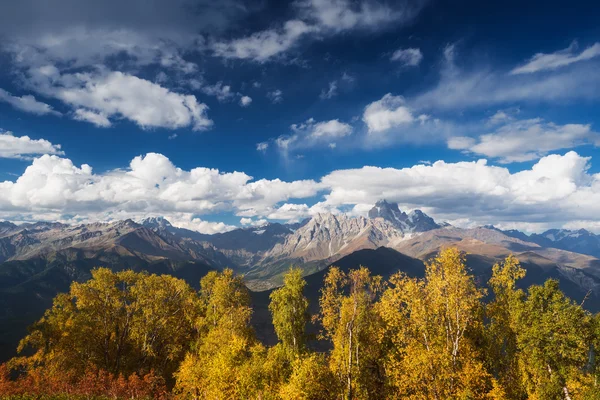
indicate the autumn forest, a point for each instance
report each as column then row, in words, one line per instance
column 124, row 335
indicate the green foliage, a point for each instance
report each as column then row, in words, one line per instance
column 553, row 340
column 289, row 310
column 502, row 328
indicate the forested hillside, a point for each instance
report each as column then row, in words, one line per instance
column 128, row 335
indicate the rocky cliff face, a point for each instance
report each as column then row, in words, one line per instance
column 414, row 222
column 329, row 236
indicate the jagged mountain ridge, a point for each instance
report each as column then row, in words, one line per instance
column 39, row 260
column 263, row 253
column 415, row 221
column 578, row 241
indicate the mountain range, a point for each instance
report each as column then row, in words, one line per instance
column 39, row 260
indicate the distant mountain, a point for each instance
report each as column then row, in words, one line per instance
column 323, row 239
column 414, row 222
column 579, row 241
column 487, row 245
column 161, row 226
column 38, row 260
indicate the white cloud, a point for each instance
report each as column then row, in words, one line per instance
column 332, row 129
column 276, row 96
column 317, row 18
column 151, row 185
column 311, row 134
column 263, row 45
column 252, row 222
column 336, row 16
column 218, row 90
column 526, row 140
column 482, row 87
column 24, row 147
column 245, row 101
column 263, row 146
column 559, row 59
column 27, row 103
column 407, row 57
column 500, row 117
column 556, row 190
column 197, row 224
column 388, row 112
column 82, row 46
column 346, row 77
column 103, row 95
column 290, row 212
column 97, row 118
column 330, row 92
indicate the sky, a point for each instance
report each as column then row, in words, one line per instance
column 226, row 114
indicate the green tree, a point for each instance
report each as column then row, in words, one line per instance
column 554, row 337
column 289, row 310
column 502, row 329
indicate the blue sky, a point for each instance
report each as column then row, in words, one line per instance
column 300, row 99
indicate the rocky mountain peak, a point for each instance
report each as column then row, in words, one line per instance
column 6, row 227
column 415, row 221
column 388, row 211
column 421, row 222
column 156, row 222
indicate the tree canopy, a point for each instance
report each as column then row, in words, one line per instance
column 124, row 335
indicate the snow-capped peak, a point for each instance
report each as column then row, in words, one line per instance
column 155, row 222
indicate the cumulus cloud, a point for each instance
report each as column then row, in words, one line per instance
column 245, row 101
column 526, row 140
column 311, row 134
column 101, row 96
column 290, row 212
column 557, row 189
column 182, row 220
column 252, row 222
column 388, row 112
column 27, row 103
column 323, row 130
column 24, row 147
column 150, row 185
column 407, row 57
column 558, row 59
